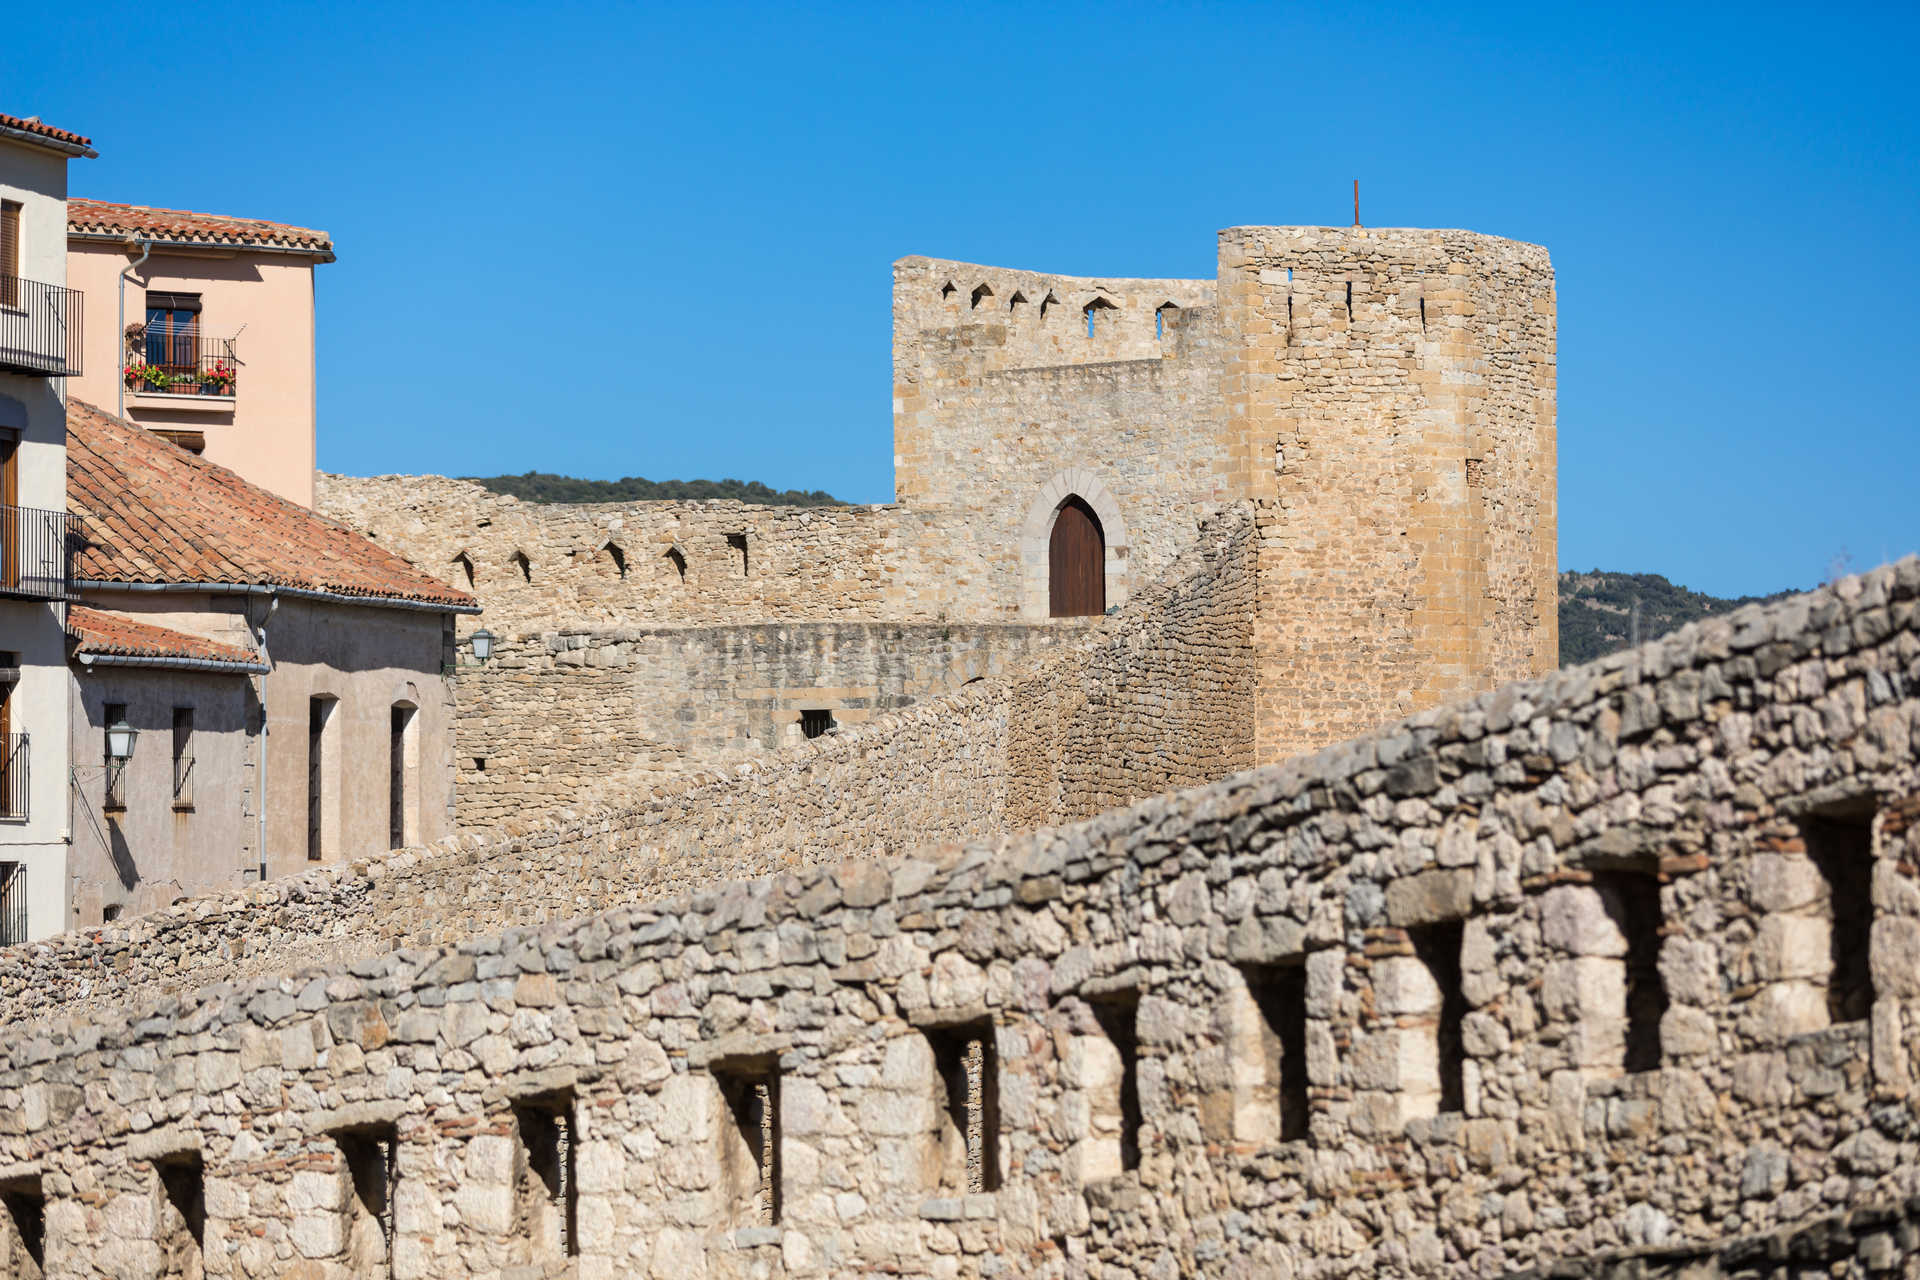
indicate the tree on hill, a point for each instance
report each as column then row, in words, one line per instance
column 1597, row 610
column 540, row 486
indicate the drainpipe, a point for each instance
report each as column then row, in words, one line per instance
column 273, row 603
column 120, row 395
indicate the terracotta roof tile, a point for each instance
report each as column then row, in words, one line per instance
column 103, row 218
column 102, row 634
column 151, row 512
column 32, row 125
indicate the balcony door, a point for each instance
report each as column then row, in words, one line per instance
column 173, row 332
column 11, row 523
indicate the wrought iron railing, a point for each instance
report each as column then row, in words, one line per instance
column 40, row 328
column 181, row 363
column 36, row 553
column 14, row 758
column 13, row 903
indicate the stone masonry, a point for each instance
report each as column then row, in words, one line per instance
column 1612, row 973
column 1383, row 398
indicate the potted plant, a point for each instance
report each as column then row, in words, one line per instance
column 134, row 373
column 156, row 378
column 217, row 380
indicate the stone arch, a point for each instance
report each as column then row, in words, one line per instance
column 1036, row 532
column 524, row 565
column 981, row 290
column 462, row 563
column 614, row 555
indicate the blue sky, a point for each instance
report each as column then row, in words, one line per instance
column 623, row 240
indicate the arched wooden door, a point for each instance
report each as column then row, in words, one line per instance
column 1076, row 563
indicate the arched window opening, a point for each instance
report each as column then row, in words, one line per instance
column 677, row 562
column 525, row 566
column 1160, row 318
column 403, row 776
column 1076, row 563
column 618, row 557
column 1017, row 301
column 1093, row 310
column 1048, row 303
column 464, row 563
column 980, row 291
column 947, row 290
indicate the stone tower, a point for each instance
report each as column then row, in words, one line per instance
column 1385, row 398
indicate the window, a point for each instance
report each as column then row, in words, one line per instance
column 173, row 331
column 1277, row 1071
column 402, row 773
column 1437, row 946
column 677, row 562
column 14, row 759
column 183, row 757
column 370, row 1157
column 13, row 903
column 815, row 721
column 524, row 565
column 544, row 1177
column 23, row 1249
column 465, row 564
column 116, row 779
column 321, row 769
column 967, row 1065
column 738, row 542
column 1841, row 847
column 1076, row 563
column 183, row 1216
column 1632, row 899
column 10, row 253
column 750, row 1144
column 1110, row 1077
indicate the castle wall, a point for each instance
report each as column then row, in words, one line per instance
column 1142, row 1079
column 552, row 716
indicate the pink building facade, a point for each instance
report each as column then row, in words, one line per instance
column 204, row 333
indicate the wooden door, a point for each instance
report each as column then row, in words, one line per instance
column 1076, row 563
column 316, row 724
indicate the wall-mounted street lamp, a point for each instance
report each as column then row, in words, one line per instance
column 482, row 645
column 120, row 739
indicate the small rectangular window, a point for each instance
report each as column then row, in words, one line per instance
column 1438, row 948
column 1841, row 847
column 23, row 1252
column 184, row 1221
column 750, row 1158
column 116, row 780
column 967, row 1064
column 815, row 721
column 738, row 542
column 1279, row 993
column 1114, row 1086
column 183, row 757
column 1632, row 900
column 371, row 1160
column 546, row 1185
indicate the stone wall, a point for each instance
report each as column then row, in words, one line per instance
column 551, row 716
column 1385, row 1010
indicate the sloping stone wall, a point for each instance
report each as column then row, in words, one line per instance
column 753, row 1079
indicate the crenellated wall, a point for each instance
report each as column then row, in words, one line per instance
column 1384, row 1010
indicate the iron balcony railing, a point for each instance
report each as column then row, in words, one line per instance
column 13, row 903
column 181, row 363
column 13, row 776
column 40, row 328
column 36, row 553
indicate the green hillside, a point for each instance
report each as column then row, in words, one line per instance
column 539, row 486
column 1596, row 610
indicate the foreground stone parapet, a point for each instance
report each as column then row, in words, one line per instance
column 1579, row 974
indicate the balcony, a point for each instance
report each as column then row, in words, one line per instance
column 40, row 328
column 13, row 776
column 181, row 370
column 36, row 554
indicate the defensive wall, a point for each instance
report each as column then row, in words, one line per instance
column 1616, row 972
column 553, row 715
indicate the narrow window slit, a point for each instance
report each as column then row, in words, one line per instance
column 738, row 542
column 966, row 1061
column 750, row 1158
column 1632, row 899
column 371, row 1159
column 1279, row 992
column 548, row 1188
column 1117, row 1103
column 26, row 1211
column 1438, row 948
column 1841, row 847
column 183, row 1180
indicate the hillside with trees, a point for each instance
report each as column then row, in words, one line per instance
column 1597, row 610
column 540, row 486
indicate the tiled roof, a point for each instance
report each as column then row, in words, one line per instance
column 151, row 512
column 101, row 634
column 103, row 218
column 32, row 125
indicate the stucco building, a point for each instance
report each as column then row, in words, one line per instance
column 290, row 682
column 41, row 324
column 204, row 332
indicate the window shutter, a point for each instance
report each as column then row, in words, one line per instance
column 9, row 238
